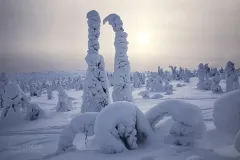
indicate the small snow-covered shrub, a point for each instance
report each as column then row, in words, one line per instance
column 237, row 142
column 144, row 94
column 207, row 84
column 188, row 121
column 120, row 126
column 82, row 123
column 226, row 113
column 169, row 89
column 157, row 96
column 216, row 88
column 64, row 103
column 33, row 111
column 231, row 77
column 49, row 93
column 180, row 85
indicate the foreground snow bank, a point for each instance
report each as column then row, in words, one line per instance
column 82, row 123
column 188, row 121
column 120, row 126
column 226, row 113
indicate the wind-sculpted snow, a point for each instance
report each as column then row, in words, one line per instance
column 120, row 126
column 237, row 142
column 96, row 94
column 226, row 113
column 121, row 82
column 188, row 121
column 82, row 123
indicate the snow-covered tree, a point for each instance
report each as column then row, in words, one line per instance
column 156, row 83
column 174, row 72
column 33, row 111
column 231, row 77
column 82, row 123
column 136, row 80
column 201, row 75
column 181, row 73
column 216, row 88
column 95, row 90
column 226, row 113
column 122, row 85
column 186, row 76
column 169, row 89
column 188, row 121
column 49, row 93
column 11, row 102
column 206, row 71
column 121, row 126
column 3, row 83
column 64, row 103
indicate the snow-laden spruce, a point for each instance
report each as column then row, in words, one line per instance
column 121, row 82
column 226, row 113
column 95, row 89
column 82, row 123
column 216, row 88
column 11, row 102
column 121, row 126
column 49, row 93
column 201, row 75
column 186, row 76
column 237, row 142
column 64, row 103
column 188, row 121
column 137, row 80
column 3, row 83
column 174, row 72
column 231, row 77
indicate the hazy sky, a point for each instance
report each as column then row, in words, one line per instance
column 40, row 35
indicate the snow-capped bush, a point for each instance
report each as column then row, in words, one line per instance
column 237, row 142
column 231, row 77
column 82, row 123
column 207, row 83
column 169, row 89
column 201, row 75
column 11, row 102
column 120, row 126
column 95, row 90
column 194, row 157
column 144, row 94
column 180, row 85
column 181, row 73
column 157, row 96
column 33, row 111
column 49, row 93
column 156, row 83
column 121, row 83
column 216, row 88
column 64, row 103
column 3, row 83
column 188, row 121
column 226, row 113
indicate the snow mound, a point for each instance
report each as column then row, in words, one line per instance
column 194, row 157
column 119, row 127
column 144, row 94
column 188, row 121
column 180, row 85
column 237, row 142
column 226, row 113
column 33, row 111
column 82, row 123
column 157, row 96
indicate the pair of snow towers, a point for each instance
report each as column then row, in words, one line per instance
column 95, row 90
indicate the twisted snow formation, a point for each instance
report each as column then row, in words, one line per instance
column 122, row 85
column 82, row 123
column 120, row 126
column 188, row 121
column 95, row 89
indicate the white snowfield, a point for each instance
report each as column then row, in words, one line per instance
column 39, row 139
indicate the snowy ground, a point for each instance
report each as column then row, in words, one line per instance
column 30, row 140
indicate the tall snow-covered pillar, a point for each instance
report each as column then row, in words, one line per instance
column 121, row 84
column 95, row 89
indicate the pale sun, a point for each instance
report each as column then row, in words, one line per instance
column 142, row 38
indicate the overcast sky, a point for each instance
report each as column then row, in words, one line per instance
column 43, row 35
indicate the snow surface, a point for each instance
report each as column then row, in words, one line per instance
column 35, row 140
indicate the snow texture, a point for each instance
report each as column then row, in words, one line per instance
column 121, row 83
column 82, row 123
column 157, row 96
column 95, row 90
column 119, row 127
column 194, row 157
column 188, row 121
column 226, row 113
